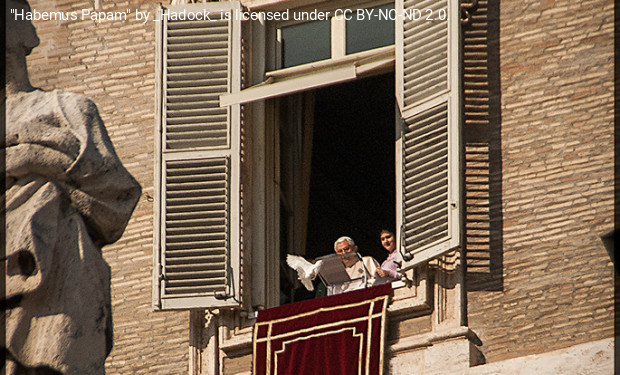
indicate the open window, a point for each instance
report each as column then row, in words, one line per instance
column 336, row 171
column 316, row 110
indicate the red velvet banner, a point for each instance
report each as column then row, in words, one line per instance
column 337, row 335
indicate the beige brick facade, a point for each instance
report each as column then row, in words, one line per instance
column 549, row 280
column 539, row 147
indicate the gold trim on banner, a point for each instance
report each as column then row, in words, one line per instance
column 383, row 330
column 354, row 333
column 369, row 330
column 370, row 317
column 268, row 348
column 321, row 309
column 310, row 329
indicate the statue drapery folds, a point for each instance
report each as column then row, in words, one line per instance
column 67, row 195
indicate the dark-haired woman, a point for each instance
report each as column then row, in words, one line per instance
column 389, row 268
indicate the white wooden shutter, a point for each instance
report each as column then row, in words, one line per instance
column 428, row 151
column 197, row 236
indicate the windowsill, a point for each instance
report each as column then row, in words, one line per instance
column 428, row 339
column 410, row 296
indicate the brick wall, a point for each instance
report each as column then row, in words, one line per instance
column 548, row 281
column 112, row 63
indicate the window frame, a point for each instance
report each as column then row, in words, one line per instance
column 338, row 40
column 263, row 115
column 278, row 81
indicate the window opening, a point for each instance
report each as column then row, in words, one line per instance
column 351, row 173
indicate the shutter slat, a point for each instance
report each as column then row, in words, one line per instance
column 206, row 26
column 208, row 182
column 426, row 69
column 192, row 222
column 433, row 136
column 213, row 127
column 196, row 280
column 425, row 194
column 191, row 53
column 215, row 133
column 219, row 207
column 196, row 245
column 415, row 32
column 201, row 228
column 213, row 130
column 203, row 34
column 423, row 212
column 425, row 49
column 173, row 70
column 188, row 104
column 201, row 113
column 179, row 218
column 214, row 188
column 195, row 144
column 189, row 77
column 420, row 156
column 203, row 140
column 195, row 267
column 217, row 84
column 198, row 192
column 422, row 182
column 214, row 58
column 430, row 236
column 193, row 291
column 196, row 82
column 181, row 200
column 197, row 210
column 420, row 4
column 199, row 46
column 211, row 134
column 433, row 226
column 194, row 99
column 197, row 73
column 188, row 254
column 425, row 178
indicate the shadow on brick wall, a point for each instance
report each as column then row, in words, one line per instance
column 482, row 142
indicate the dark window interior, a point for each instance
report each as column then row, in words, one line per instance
column 352, row 183
column 352, row 175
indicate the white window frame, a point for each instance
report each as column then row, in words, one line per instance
column 339, row 68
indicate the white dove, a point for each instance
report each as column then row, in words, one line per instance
column 306, row 270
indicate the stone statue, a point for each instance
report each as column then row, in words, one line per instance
column 67, row 195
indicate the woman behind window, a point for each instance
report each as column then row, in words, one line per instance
column 389, row 268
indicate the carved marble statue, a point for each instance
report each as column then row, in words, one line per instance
column 67, row 195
